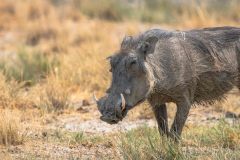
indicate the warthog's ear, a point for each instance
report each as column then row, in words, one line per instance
column 127, row 42
column 148, row 46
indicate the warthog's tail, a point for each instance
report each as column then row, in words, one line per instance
column 238, row 59
column 238, row 55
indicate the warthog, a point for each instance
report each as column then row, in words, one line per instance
column 192, row 67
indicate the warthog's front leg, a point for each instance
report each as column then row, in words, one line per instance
column 180, row 119
column 160, row 112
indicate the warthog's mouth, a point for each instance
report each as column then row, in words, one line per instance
column 109, row 121
column 115, row 119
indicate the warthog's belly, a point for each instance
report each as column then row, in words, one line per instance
column 212, row 86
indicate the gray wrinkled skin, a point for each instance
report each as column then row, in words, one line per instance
column 190, row 67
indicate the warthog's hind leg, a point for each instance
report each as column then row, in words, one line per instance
column 160, row 112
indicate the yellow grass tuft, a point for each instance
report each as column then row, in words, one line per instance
column 10, row 129
column 54, row 97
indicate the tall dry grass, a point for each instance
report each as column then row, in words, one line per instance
column 10, row 129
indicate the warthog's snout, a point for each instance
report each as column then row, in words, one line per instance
column 112, row 108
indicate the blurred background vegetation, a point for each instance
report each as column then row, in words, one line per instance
column 154, row 11
column 40, row 20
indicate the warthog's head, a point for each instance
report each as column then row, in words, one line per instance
column 132, row 79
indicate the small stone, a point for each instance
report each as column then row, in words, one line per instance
column 85, row 102
column 83, row 110
column 229, row 114
column 211, row 118
column 44, row 134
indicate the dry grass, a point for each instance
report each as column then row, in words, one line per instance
column 13, row 94
column 10, row 129
column 217, row 142
column 54, row 98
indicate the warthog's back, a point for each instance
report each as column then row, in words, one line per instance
column 207, row 59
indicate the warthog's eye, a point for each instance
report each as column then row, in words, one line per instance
column 133, row 62
column 110, row 70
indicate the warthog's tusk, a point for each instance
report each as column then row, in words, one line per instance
column 94, row 97
column 109, row 58
column 123, row 102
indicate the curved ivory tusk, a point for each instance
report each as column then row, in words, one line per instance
column 123, row 101
column 94, row 97
column 109, row 58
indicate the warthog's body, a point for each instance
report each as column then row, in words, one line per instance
column 196, row 66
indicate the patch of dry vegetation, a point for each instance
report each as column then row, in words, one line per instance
column 10, row 129
column 217, row 142
column 54, row 98
column 13, row 94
